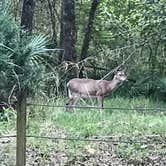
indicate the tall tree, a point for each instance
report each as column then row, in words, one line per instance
column 68, row 31
column 27, row 15
column 89, row 28
column 51, row 6
column 87, row 37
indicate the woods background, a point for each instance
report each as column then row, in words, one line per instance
column 89, row 38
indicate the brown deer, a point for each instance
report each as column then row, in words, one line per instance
column 84, row 88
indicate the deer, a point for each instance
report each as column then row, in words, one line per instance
column 87, row 88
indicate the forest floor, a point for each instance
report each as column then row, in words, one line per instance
column 116, row 136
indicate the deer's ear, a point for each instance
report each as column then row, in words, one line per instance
column 115, row 72
column 122, row 70
column 119, row 69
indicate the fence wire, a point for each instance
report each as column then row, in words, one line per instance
column 95, row 139
column 157, row 141
column 91, row 139
column 92, row 107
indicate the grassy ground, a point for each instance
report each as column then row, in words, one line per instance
column 111, row 124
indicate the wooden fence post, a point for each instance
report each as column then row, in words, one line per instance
column 21, row 130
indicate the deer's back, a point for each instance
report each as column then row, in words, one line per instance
column 83, row 86
column 87, row 86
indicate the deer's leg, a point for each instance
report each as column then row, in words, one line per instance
column 76, row 100
column 100, row 102
column 72, row 102
column 69, row 104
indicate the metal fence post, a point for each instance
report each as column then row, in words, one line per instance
column 21, row 130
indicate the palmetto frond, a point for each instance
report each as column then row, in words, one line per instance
column 38, row 45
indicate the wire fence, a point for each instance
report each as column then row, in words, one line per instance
column 106, row 140
column 138, row 109
column 156, row 140
column 92, row 139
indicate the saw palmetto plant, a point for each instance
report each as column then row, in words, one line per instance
column 22, row 58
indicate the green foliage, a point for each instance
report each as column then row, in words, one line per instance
column 8, row 115
column 134, row 30
column 134, row 152
column 122, row 29
column 90, row 122
column 126, row 125
column 22, row 58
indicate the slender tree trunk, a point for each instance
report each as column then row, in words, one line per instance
column 89, row 28
column 68, row 31
column 88, row 33
column 27, row 15
column 51, row 5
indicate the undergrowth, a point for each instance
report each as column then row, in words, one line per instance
column 128, row 125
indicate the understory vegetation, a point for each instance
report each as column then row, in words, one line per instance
column 43, row 44
column 125, row 130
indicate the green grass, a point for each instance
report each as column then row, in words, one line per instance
column 90, row 122
column 125, row 124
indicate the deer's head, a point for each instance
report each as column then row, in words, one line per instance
column 121, row 76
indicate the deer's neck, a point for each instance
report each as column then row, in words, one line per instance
column 113, row 84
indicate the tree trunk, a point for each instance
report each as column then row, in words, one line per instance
column 68, row 31
column 27, row 15
column 51, row 5
column 89, row 28
column 88, row 33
